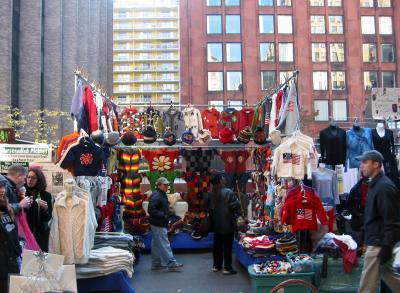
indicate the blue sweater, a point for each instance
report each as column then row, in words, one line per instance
column 358, row 143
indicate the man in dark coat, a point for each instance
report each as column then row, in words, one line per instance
column 161, row 252
column 381, row 225
column 10, row 249
column 224, row 210
column 15, row 180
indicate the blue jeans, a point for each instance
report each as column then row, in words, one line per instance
column 161, row 252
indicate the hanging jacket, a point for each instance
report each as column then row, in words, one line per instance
column 357, row 144
column 211, row 121
column 91, row 110
column 77, row 100
column 290, row 117
column 173, row 119
column 245, row 118
column 193, row 120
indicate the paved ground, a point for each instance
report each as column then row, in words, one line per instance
column 196, row 277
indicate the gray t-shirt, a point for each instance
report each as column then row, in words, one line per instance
column 325, row 184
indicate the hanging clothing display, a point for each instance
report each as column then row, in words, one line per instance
column 358, row 141
column 333, row 146
column 245, row 118
column 88, row 118
column 193, row 120
column 229, row 119
column 173, row 119
column 235, row 167
column 161, row 159
column 65, row 142
column 325, row 184
column 211, row 121
column 289, row 120
column 385, row 145
column 266, row 118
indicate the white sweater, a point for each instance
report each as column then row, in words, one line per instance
column 192, row 119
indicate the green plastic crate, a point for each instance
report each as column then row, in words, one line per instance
column 264, row 283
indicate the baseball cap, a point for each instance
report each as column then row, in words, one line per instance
column 371, row 155
column 162, row 180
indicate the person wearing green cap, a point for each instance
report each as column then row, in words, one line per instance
column 161, row 252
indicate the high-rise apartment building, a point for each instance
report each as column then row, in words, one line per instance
column 235, row 50
column 43, row 42
column 146, row 51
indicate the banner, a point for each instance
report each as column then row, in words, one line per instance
column 385, row 103
column 38, row 153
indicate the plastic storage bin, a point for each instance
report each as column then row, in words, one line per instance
column 265, row 283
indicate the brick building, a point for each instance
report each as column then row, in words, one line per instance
column 43, row 42
column 234, row 50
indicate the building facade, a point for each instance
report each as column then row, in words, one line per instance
column 146, row 51
column 233, row 51
column 43, row 42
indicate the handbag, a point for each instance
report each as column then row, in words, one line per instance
column 25, row 232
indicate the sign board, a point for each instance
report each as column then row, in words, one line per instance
column 5, row 165
column 7, row 135
column 38, row 153
column 385, row 103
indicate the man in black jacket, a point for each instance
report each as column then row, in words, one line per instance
column 16, row 177
column 224, row 210
column 161, row 252
column 381, row 225
column 10, row 249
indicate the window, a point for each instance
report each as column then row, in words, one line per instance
column 232, row 2
column 337, row 52
column 284, row 2
column 285, row 52
column 123, row 88
column 215, row 81
column 233, row 52
column 338, row 80
column 367, row 3
column 123, row 99
column 213, row 2
column 232, row 24
column 370, row 79
column 339, row 111
column 335, row 3
column 284, row 76
column 145, row 98
column 214, row 24
column 266, row 2
column 317, row 24
column 369, row 53
column 387, row 53
column 285, row 24
column 318, row 52
column 316, row 2
column 388, row 79
column 219, row 105
column 336, row 24
column 367, row 25
column 123, row 77
column 385, row 25
column 167, row 98
column 168, row 87
column 266, row 24
column 234, row 80
column 268, row 80
column 321, row 107
column 214, row 52
column 147, row 76
column 267, row 52
column 237, row 105
column 384, row 3
column 320, row 80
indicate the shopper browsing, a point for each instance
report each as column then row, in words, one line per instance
column 224, row 210
column 15, row 180
column 161, row 252
column 10, row 249
column 381, row 225
column 39, row 213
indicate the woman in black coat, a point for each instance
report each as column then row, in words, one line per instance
column 39, row 214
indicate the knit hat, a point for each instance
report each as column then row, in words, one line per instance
column 204, row 135
column 275, row 136
column 287, row 244
column 149, row 135
column 245, row 135
column 112, row 138
column 260, row 137
column 128, row 138
column 226, row 135
column 98, row 137
column 187, row 137
column 169, row 137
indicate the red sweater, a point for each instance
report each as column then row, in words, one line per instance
column 91, row 109
column 302, row 214
column 211, row 121
column 161, row 160
column 245, row 118
column 235, row 161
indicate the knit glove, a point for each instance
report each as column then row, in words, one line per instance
column 385, row 254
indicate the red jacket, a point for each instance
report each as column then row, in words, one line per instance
column 301, row 212
column 245, row 118
column 91, row 109
column 211, row 121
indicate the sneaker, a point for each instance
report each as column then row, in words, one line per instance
column 175, row 267
column 215, row 269
column 157, row 267
column 230, row 272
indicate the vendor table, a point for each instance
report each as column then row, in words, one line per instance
column 114, row 282
column 243, row 258
column 184, row 241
